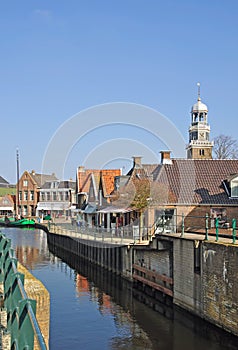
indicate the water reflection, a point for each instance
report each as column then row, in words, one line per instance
column 93, row 309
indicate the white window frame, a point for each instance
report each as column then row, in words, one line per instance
column 234, row 187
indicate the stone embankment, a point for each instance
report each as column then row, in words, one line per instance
column 37, row 291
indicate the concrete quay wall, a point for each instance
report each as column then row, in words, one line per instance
column 203, row 274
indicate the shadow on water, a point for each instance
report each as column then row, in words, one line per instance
column 174, row 329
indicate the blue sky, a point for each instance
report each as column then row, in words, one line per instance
column 61, row 57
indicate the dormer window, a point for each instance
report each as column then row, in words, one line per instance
column 54, row 184
column 234, row 187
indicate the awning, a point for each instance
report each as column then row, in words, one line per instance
column 73, row 207
column 7, row 208
column 116, row 210
column 90, row 209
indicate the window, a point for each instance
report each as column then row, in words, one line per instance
column 42, row 196
column 54, row 184
column 25, row 195
column 54, row 196
column 201, row 152
column 25, row 183
column 20, row 195
column 61, row 196
column 25, row 210
column 220, row 214
column 201, row 117
column 234, row 188
column 66, row 195
column 32, row 195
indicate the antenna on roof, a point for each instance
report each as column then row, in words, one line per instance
column 198, row 85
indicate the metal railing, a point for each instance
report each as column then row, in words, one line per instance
column 207, row 225
column 21, row 311
column 164, row 224
column 115, row 235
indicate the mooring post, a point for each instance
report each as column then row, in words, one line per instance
column 217, row 228
column 234, row 230
column 206, row 228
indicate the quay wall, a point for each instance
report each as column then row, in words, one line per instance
column 220, row 285
column 197, row 275
column 37, row 291
column 206, row 281
column 113, row 257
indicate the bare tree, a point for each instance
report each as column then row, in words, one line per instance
column 225, row 147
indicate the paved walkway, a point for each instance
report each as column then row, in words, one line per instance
column 224, row 237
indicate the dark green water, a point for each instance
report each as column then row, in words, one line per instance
column 91, row 309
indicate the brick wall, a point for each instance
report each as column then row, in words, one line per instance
column 194, row 216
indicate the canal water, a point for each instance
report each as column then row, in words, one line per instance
column 94, row 310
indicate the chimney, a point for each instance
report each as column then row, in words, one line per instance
column 81, row 169
column 137, row 162
column 165, row 157
column 33, row 172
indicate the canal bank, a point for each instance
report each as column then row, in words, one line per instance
column 92, row 308
column 25, row 304
column 198, row 275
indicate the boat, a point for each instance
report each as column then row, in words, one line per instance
column 22, row 223
column 11, row 222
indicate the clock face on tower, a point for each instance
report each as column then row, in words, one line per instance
column 201, row 134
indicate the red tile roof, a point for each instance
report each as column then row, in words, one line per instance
column 106, row 176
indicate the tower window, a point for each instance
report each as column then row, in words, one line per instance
column 201, row 117
column 201, row 152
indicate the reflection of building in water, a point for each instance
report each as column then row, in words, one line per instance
column 27, row 256
column 82, row 285
column 91, row 283
column 34, row 253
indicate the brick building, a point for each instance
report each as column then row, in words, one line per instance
column 192, row 187
column 28, row 187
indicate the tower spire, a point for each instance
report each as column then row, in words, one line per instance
column 199, row 146
column 198, row 85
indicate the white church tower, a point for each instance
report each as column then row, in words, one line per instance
column 199, row 147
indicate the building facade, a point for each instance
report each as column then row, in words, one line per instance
column 56, row 198
column 28, row 188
